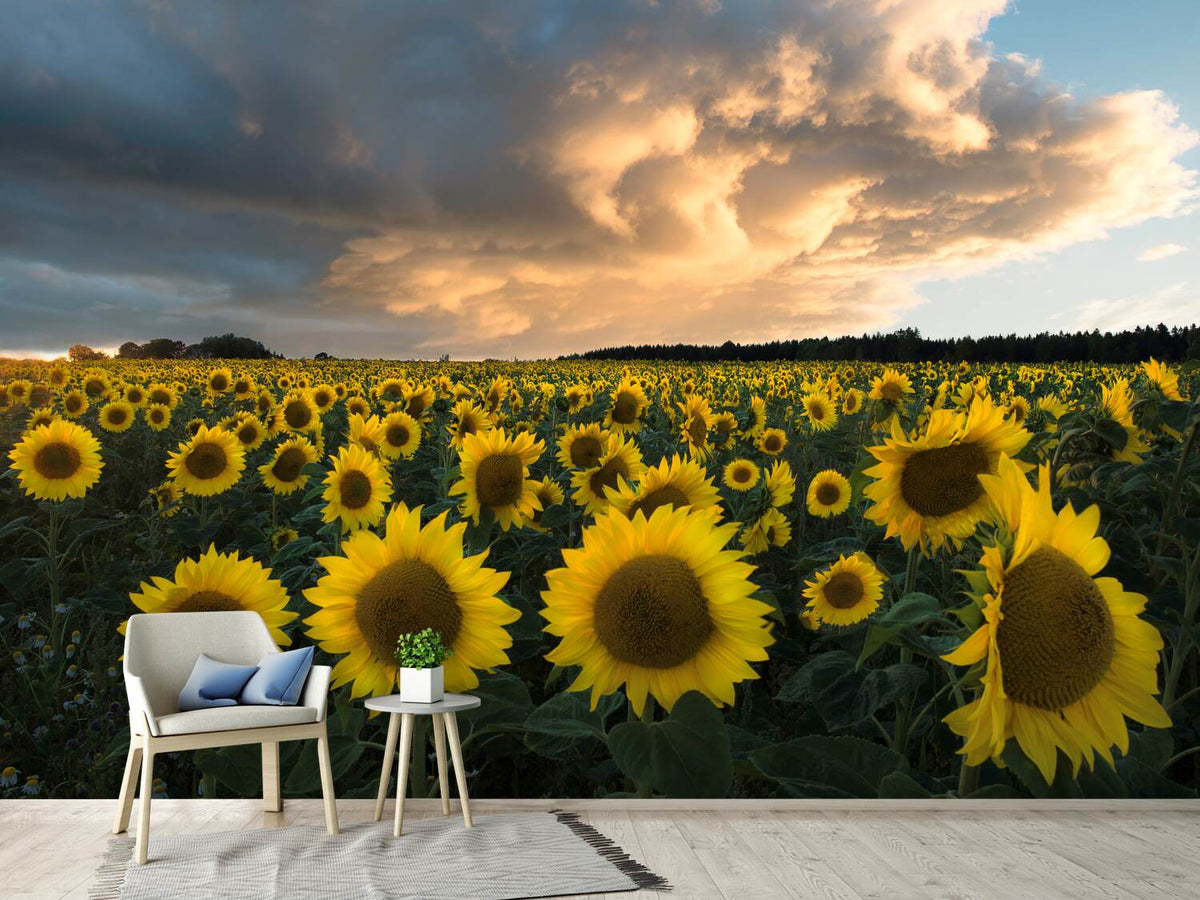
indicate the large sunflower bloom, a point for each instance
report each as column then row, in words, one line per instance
column 469, row 418
column 846, row 592
column 412, row 579
column 116, row 416
column 629, row 403
column 1066, row 657
column 698, row 418
column 218, row 582
column 210, row 463
column 495, row 475
column 581, row 446
column 674, row 482
column 927, row 487
column 658, row 606
column 357, row 490
column 828, row 494
column 621, row 460
column 57, row 461
column 283, row 474
column 401, row 435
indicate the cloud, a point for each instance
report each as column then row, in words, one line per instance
column 1161, row 251
column 534, row 178
column 1176, row 304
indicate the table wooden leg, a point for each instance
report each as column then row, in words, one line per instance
column 460, row 773
column 389, row 753
column 406, row 730
column 439, row 743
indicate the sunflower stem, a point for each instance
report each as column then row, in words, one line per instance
column 1176, row 487
column 1183, row 645
column 644, row 788
column 968, row 779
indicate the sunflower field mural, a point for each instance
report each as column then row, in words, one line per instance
column 664, row 579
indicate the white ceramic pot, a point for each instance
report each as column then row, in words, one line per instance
column 421, row 685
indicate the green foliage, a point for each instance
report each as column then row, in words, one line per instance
column 422, row 650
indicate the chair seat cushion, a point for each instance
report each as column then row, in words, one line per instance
column 231, row 718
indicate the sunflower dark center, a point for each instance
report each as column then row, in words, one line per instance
column 219, row 383
column 697, row 430
column 209, row 601
column 242, row 386
column 944, row 480
column 287, row 467
column 117, row 416
column 248, row 433
column 160, row 396
column 94, row 387
column 405, row 597
column 356, row 489
column 724, row 426
column 667, row 495
column 57, row 461
column 891, row 390
column 322, row 398
column 843, row 590
column 297, row 414
column 816, row 412
column 500, row 479
column 742, row 474
column 828, row 494
column 625, row 409
column 772, row 443
column 607, row 475
column 416, row 405
column 73, row 403
column 652, row 612
column 207, row 460
column 158, row 415
column 586, row 452
column 133, row 395
column 1056, row 639
column 397, row 434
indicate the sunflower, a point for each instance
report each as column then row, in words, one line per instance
column 158, row 416
column 19, row 391
column 771, row 529
column 629, row 403
column 43, row 415
column 244, row 387
column 135, row 395
column 75, row 404
column 495, row 475
column 210, row 463
column 401, row 435
column 116, row 416
column 417, row 400
column 95, row 384
column 281, row 537
column 741, row 475
column 357, row 490
column 324, row 396
column 846, row 592
column 781, row 483
column 578, row 396
column 725, row 426
column 821, row 411
column 220, row 381
column 621, row 460
column 757, row 420
column 193, row 426
column 358, row 406
column 927, row 487
column 658, row 606
column 891, row 386
column 1065, row 656
column 676, row 482
column 283, row 474
column 1117, row 404
column 412, row 579
column 248, row 430
column 852, row 401
column 59, row 375
column 1163, row 378
column 219, row 582
column 390, row 390
column 469, row 418
column 697, row 418
column 1017, row 409
column 828, row 494
column 581, row 446
column 366, row 433
column 57, row 461
column 164, row 495
column 548, row 494
column 297, row 413
column 772, row 441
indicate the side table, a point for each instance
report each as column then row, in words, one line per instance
column 401, row 716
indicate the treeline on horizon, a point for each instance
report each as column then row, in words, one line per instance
column 907, row 345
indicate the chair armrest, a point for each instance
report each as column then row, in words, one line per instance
column 316, row 690
column 139, row 704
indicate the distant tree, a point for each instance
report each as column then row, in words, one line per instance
column 322, row 355
column 230, row 346
column 130, row 350
column 84, row 353
column 162, row 348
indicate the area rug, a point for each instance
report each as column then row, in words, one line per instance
column 504, row 857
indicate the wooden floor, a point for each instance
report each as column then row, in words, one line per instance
column 735, row 849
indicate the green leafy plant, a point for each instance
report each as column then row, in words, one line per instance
column 421, row 650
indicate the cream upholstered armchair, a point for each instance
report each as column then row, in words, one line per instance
column 160, row 650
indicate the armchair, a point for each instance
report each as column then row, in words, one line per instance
column 160, row 651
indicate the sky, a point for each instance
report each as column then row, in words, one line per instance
column 500, row 179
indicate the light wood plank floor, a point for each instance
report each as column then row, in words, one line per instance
column 736, row 849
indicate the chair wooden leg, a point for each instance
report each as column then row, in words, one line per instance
column 389, row 753
column 272, row 796
column 439, row 744
column 406, row 730
column 128, row 785
column 460, row 773
column 142, row 847
column 331, row 817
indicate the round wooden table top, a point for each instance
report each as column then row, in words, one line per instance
column 448, row 704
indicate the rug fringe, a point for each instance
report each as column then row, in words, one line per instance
column 110, row 877
column 606, row 847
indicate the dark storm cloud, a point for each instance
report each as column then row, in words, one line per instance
column 402, row 178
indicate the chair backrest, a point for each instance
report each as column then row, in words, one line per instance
column 162, row 648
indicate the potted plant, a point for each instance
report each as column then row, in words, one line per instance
column 420, row 655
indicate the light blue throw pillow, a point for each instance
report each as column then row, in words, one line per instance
column 279, row 679
column 213, row 683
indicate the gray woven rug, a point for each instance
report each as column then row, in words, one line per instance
column 504, row 857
